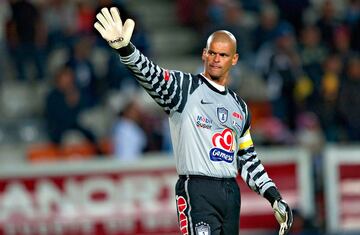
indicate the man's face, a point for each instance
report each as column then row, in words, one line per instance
column 218, row 58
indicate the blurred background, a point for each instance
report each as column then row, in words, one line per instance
column 65, row 97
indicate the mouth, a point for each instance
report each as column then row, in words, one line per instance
column 215, row 66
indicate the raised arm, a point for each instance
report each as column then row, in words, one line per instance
column 169, row 89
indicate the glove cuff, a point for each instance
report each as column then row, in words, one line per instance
column 272, row 195
column 127, row 50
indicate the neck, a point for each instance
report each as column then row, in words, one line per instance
column 222, row 81
column 214, row 83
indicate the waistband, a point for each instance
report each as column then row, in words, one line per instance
column 205, row 177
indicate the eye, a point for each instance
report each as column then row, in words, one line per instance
column 211, row 53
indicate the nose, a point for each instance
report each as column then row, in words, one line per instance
column 217, row 58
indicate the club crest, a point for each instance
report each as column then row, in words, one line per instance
column 222, row 114
column 202, row 229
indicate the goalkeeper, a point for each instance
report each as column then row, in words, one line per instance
column 210, row 131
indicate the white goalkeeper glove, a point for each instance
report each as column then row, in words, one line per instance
column 112, row 29
column 283, row 215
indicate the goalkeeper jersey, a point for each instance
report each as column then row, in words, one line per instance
column 210, row 129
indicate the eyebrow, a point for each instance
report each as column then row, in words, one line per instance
column 221, row 54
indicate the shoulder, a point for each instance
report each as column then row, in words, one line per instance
column 239, row 101
column 192, row 81
column 183, row 78
column 178, row 73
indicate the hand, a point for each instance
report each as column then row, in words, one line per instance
column 111, row 28
column 283, row 215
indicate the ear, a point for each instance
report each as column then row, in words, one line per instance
column 203, row 57
column 235, row 59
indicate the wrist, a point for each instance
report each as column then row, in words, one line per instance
column 127, row 50
column 272, row 194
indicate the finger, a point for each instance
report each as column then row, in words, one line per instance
column 100, row 29
column 282, row 229
column 116, row 15
column 128, row 29
column 107, row 15
column 102, row 20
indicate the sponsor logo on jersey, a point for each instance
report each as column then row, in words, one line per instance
column 202, row 229
column 203, row 122
column 237, row 115
column 223, row 146
column 222, row 114
column 183, row 220
column 205, row 102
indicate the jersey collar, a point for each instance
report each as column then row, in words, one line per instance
column 214, row 86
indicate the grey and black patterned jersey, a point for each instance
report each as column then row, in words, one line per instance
column 210, row 129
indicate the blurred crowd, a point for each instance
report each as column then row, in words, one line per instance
column 54, row 43
column 306, row 53
column 303, row 55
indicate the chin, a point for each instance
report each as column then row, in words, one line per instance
column 214, row 77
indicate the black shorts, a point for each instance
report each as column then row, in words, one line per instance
column 208, row 205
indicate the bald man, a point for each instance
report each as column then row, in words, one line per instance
column 210, row 131
column 219, row 56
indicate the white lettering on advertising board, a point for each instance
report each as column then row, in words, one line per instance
column 118, row 203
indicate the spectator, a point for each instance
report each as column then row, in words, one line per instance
column 313, row 54
column 326, row 105
column 327, row 22
column 27, row 38
column 352, row 14
column 85, row 17
column 311, row 137
column 280, row 66
column 355, row 36
column 85, row 77
column 129, row 139
column 64, row 104
column 194, row 13
column 342, row 46
column 352, row 20
column 154, row 130
column 59, row 18
column 4, row 18
column 266, row 30
column 310, row 134
column 349, row 100
column 292, row 11
column 184, row 10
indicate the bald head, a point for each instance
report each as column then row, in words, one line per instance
column 222, row 36
column 219, row 56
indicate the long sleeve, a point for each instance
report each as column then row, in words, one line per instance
column 170, row 89
column 250, row 167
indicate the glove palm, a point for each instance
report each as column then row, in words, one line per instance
column 111, row 28
column 283, row 215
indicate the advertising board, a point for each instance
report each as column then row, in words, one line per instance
column 118, row 198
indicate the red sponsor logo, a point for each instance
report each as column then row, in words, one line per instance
column 183, row 220
column 237, row 115
column 223, row 140
column 166, row 75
